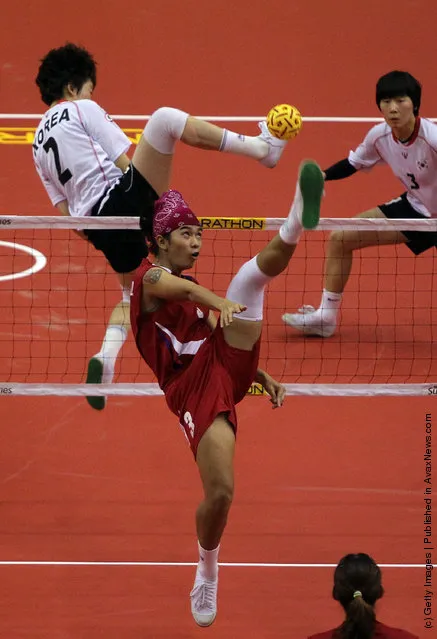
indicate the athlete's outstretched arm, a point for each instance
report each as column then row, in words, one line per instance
column 339, row 170
column 159, row 284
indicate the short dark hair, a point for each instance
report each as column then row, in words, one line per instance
column 153, row 244
column 146, row 225
column 357, row 573
column 66, row 65
column 399, row 83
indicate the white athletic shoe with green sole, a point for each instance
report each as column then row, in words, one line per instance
column 94, row 376
column 311, row 184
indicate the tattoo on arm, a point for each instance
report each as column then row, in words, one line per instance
column 153, row 276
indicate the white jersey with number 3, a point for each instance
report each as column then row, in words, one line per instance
column 414, row 162
column 75, row 147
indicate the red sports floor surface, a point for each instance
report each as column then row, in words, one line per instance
column 316, row 480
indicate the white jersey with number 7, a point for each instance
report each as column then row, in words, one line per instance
column 413, row 162
column 74, row 149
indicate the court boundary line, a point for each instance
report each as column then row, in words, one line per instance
column 183, row 564
column 40, row 261
column 215, row 118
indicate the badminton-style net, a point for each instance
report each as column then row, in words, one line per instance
column 57, row 292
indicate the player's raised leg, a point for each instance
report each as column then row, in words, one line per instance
column 248, row 285
column 339, row 257
column 214, row 458
column 102, row 365
column 154, row 153
column 216, row 448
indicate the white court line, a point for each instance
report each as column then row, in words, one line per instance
column 212, row 118
column 40, row 261
column 179, row 564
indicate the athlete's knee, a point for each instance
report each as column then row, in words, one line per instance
column 125, row 281
column 125, row 292
column 341, row 242
column 164, row 128
column 220, row 496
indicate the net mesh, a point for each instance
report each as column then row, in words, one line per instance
column 54, row 312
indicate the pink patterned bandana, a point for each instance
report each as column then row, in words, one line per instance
column 172, row 212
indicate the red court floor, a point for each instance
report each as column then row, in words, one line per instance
column 319, row 478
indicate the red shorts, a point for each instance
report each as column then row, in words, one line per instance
column 218, row 378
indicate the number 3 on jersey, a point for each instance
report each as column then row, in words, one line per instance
column 413, row 184
column 63, row 176
column 189, row 422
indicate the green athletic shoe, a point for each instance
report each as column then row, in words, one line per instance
column 311, row 185
column 94, row 376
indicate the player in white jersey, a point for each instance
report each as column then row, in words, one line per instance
column 408, row 144
column 81, row 158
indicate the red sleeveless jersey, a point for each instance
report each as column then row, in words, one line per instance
column 169, row 337
column 381, row 632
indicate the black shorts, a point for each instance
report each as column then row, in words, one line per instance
column 132, row 196
column 418, row 241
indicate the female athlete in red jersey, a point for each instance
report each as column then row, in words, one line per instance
column 357, row 586
column 205, row 368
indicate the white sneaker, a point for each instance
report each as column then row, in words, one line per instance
column 310, row 322
column 311, row 184
column 305, row 210
column 276, row 146
column 204, row 600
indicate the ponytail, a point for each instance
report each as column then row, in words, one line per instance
column 357, row 586
column 360, row 620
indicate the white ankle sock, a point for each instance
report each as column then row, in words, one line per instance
column 238, row 144
column 291, row 230
column 330, row 304
column 114, row 339
column 208, row 562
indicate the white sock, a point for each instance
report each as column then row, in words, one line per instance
column 330, row 304
column 291, row 230
column 208, row 562
column 238, row 144
column 114, row 339
column 247, row 287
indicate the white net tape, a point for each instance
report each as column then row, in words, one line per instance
column 222, row 223
column 140, row 390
